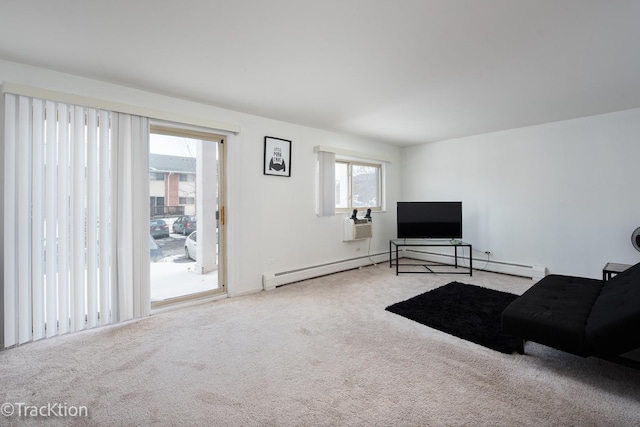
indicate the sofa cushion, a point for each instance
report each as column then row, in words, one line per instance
column 614, row 323
column 554, row 312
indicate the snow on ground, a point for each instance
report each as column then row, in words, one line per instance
column 170, row 279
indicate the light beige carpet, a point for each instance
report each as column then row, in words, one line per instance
column 319, row 352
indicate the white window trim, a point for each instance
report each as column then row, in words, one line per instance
column 363, row 162
column 354, row 155
column 347, row 155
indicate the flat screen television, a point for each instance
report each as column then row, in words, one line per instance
column 429, row 220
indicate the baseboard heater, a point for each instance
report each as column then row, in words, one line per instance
column 273, row 280
column 535, row 272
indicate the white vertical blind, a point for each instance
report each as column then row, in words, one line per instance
column 122, row 238
column 10, row 241
column 326, row 183
column 37, row 219
column 63, row 219
column 105, row 235
column 23, row 220
column 92, row 218
column 78, row 220
column 142, row 213
column 130, row 240
column 51, row 283
column 76, row 215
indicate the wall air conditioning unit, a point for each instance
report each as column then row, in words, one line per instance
column 357, row 229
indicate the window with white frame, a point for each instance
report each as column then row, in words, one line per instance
column 187, row 201
column 358, row 185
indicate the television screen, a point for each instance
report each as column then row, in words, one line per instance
column 429, row 220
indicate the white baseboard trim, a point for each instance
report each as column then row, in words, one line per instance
column 534, row 272
column 272, row 280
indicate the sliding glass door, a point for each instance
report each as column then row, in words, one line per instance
column 186, row 173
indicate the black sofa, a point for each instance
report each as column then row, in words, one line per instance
column 585, row 317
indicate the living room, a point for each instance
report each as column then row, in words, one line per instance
column 550, row 186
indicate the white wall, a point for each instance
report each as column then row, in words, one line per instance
column 564, row 195
column 272, row 226
column 274, row 218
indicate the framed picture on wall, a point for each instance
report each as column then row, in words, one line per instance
column 277, row 156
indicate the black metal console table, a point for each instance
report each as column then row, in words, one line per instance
column 613, row 268
column 427, row 243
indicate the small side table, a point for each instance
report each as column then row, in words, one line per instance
column 613, row 268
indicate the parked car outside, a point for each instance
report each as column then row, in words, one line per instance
column 191, row 225
column 190, row 244
column 158, row 228
column 178, row 224
column 155, row 253
column 185, row 224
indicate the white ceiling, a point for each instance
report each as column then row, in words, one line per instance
column 401, row 71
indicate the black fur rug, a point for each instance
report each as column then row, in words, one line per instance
column 466, row 311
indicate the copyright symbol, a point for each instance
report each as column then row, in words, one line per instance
column 7, row 409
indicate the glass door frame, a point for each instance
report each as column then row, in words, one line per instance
column 205, row 135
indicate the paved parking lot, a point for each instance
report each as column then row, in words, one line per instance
column 173, row 248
